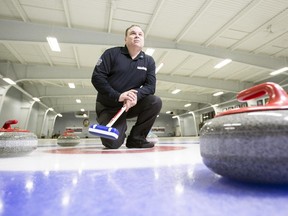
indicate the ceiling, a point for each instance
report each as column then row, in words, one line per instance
column 189, row 38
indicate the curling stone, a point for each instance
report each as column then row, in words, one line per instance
column 68, row 138
column 16, row 142
column 250, row 144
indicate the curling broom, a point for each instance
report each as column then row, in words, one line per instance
column 107, row 131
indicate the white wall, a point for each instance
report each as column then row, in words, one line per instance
column 35, row 118
column 11, row 108
column 69, row 120
column 30, row 115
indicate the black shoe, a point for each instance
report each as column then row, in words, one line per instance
column 139, row 145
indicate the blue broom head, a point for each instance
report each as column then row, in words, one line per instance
column 103, row 131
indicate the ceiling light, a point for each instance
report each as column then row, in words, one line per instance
column 176, row 91
column 150, row 51
column 222, row 63
column 187, row 105
column 82, row 110
column 159, row 67
column 53, row 43
column 71, row 85
column 78, row 101
column 36, row 99
column 279, row 71
column 9, row 81
column 218, row 93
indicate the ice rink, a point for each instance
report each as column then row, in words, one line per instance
column 169, row 179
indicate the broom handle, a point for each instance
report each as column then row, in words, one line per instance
column 114, row 119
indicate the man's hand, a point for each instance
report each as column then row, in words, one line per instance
column 129, row 98
column 128, row 95
column 128, row 104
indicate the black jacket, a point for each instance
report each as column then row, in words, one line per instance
column 116, row 72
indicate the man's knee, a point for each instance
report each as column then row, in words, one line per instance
column 114, row 144
column 111, row 144
column 156, row 102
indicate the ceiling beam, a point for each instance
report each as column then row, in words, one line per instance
column 31, row 32
column 189, row 98
column 226, row 85
column 59, row 92
column 46, row 73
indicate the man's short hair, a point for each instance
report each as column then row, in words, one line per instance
column 126, row 32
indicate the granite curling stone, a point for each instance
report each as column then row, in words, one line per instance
column 250, row 144
column 16, row 142
column 68, row 138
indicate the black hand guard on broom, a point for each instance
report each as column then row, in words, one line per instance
column 107, row 131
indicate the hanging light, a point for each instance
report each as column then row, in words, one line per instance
column 159, row 67
column 71, row 85
column 222, row 63
column 218, row 93
column 176, row 91
column 53, row 43
column 279, row 71
column 9, row 81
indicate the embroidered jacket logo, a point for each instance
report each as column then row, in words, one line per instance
column 142, row 68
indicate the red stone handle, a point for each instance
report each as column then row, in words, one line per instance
column 277, row 95
column 8, row 124
column 7, row 127
column 278, row 98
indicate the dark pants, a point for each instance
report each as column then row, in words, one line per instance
column 146, row 111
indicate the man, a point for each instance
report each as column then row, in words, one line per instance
column 126, row 76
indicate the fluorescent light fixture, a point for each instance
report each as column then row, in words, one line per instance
column 59, row 114
column 187, row 105
column 168, row 112
column 71, row 85
column 218, row 93
column 9, row 81
column 53, row 43
column 159, row 67
column 36, row 99
column 215, row 105
column 176, row 91
column 150, row 51
column 78, row 101
column 279, row 71
column 222, row 63
column 82, row 110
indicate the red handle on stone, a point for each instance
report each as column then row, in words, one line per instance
column 8, row 124
column 278, row 98
column 277, row 95
column 7, row 127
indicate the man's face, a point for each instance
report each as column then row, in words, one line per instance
column 135, row 37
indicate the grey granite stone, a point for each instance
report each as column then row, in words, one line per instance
column 14, row 144
column 250, row 146
column 68, row 140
